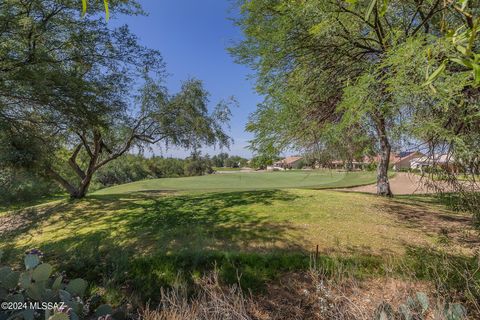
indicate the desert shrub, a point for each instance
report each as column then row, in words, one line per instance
column 300, row 164
column 131, row 168
column 453, row 276
column 371, row 167
column 223, row 160
column 166, row 167
column 457, row 192
column 212, row 301
column 261, row 162
column 197, row 165
column 128, row 169
column 462, row 201
column 17, row 185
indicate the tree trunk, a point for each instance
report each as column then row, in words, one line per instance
column 93, row 150
column 64, row 183
column 83, row 189
column 383, row 185
column 349, row 165
column 80, row 191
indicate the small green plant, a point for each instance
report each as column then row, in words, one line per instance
column 419, row 308
column 38, row 293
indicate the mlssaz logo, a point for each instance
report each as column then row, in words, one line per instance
column 32, row 305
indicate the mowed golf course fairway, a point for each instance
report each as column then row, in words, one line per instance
column 249, row 181
column 141, row 236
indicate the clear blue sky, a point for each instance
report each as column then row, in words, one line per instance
column 192, row 36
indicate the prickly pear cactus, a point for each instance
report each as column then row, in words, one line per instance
column 38, row 293
column 419, row 308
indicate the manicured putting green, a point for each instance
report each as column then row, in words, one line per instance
column 249, row 181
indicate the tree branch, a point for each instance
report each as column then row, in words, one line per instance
column 64, row 183
column 73, row 162
column 128, row 144
column 427, row 18
column 85, row 144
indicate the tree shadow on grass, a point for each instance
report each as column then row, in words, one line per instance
column 213, row 221
column 138, row 243
column 149, row 222
column 23, row 221
column 424, row 214
column 168, row 232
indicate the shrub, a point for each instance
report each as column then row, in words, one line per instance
column 212, row 301
column 197, row 165
column 136, row 167
column 21, row 185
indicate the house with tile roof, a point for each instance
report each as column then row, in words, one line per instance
column 405, row 160
column 287, row 163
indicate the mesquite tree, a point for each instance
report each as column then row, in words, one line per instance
column 312, row 57
column 76, row 95
column 181, row 120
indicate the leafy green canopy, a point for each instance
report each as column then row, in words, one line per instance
column 336, row 64
column 75, row 94
column 465, row 40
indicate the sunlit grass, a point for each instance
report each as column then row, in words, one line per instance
column 259, row 225
column 237, row 221
column 249, row 181
column 148, row 239
column 226, row 169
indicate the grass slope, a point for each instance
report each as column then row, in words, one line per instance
column 249, row 181
column 143, row 241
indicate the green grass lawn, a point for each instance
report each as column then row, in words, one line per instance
column 226, row 169
column 238, row 221
column 39, row 201
column 249, row 181
column 142, row 241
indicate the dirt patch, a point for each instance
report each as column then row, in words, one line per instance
column 452, row 230
column 310, row 296
column 402, row 184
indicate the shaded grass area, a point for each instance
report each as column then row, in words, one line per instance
column 247, row 221
column 14, row 206
column 137, row 243
column 318, row 179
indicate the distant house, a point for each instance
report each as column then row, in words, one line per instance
column 399, row 161
column 405, row 160
column 287, row 163
column 394, row 157
column 354, row 165
column 440, row 160
column 361, row 164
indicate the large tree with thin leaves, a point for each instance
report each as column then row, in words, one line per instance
column 76, row 94
column 323, row 61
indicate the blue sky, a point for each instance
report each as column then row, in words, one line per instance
column 192, row 36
